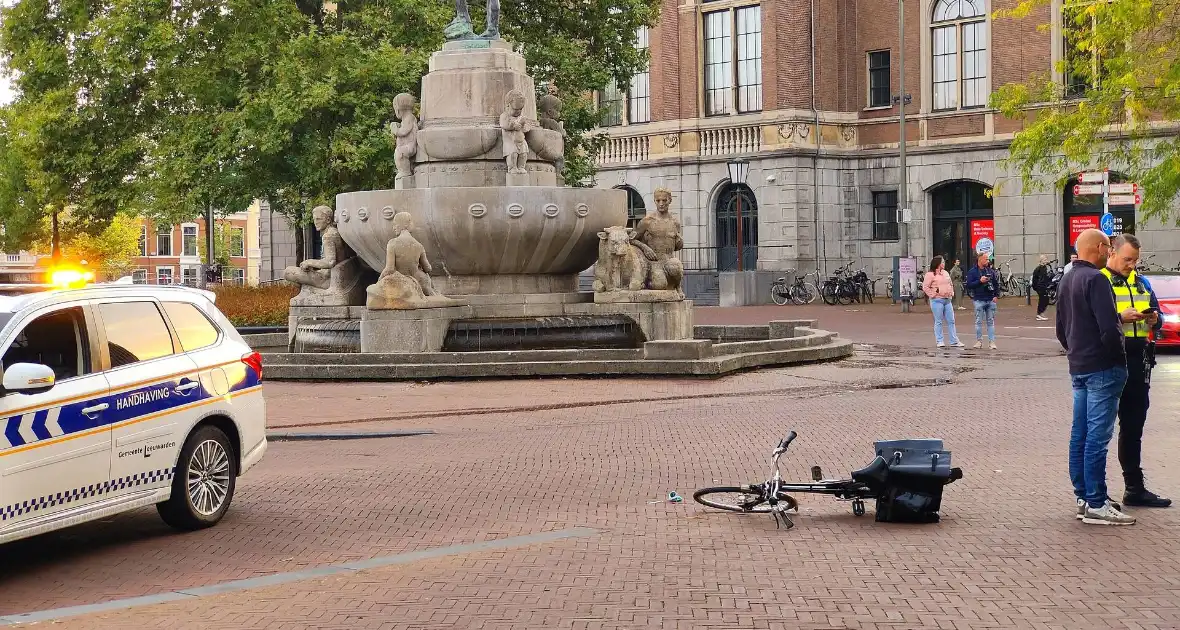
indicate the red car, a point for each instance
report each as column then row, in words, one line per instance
column 1166, row 285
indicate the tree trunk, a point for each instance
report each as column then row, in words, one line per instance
column 55, row 243
column 298, row 242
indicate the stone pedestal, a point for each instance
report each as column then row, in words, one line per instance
column 637, row 297
column 308, row 314
column 408, row 331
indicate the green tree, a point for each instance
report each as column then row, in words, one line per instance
column 1112, row 102
column 110, row 253
column 167, row 107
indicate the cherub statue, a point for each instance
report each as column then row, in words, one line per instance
column 549, row 107
column 514, row 126
column 549, row 112
column 406, row 134
column 330, row 279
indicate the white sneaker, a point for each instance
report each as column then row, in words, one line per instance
column 1042, row 318
column 992, row 346
column 941, row 345
column 978, row 345
column 1081, row 509
column 1106, row 515
column 958, row 344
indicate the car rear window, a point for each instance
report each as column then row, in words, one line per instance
column 1165, row 287
column 135, row 332
column 192, row 326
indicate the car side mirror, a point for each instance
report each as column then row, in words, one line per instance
column 28, row 378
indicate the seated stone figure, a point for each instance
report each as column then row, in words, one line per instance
column 405, row 281
column 658, row 237
column 333, row 279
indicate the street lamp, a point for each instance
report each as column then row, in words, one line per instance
column 738, row 171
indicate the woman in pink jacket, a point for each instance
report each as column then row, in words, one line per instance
column 941, row 290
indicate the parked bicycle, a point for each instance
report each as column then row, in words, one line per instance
column 797, row 293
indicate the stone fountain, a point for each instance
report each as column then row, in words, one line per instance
column 468, row 265
column 502, row 240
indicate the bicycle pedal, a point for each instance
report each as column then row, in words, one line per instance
column 817, row 474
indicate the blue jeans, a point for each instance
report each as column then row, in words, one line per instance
column 1095, row 403
column 944, row 313
column 985, row 310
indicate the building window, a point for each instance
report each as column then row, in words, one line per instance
column 139, row 276
column 636, row 209
column 1084, row 66
column 237, row 242
column 733, row 62
column 235, row 276
column 635, row 101
column 639, row 96
column 164, row 240
column 885, row 215
column 879, row 90
column 610, row 103
column 143, row 249
column 959, row 37
column 188, row 241
column 164, row 275
column 188, row 276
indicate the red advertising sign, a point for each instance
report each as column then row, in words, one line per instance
column 1080, row 224
column 983, row 236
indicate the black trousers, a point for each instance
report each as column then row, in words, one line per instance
column 1132, row 415
column 1042, row 302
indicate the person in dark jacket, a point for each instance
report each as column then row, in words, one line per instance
column 1090, row 329
column 983, row 284
column 1134, row 291
column 1041, row 278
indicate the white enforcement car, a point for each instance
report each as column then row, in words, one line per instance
column 120, row 396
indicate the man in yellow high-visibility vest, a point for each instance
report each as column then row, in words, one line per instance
column 1132, row 292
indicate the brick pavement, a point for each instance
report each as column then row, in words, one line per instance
column 1008, row 554
column 883, row 323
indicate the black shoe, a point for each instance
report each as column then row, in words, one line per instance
column 1142, row 497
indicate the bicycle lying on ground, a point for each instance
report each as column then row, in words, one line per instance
column 905, row 491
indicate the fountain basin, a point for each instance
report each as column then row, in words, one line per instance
column 486, row 231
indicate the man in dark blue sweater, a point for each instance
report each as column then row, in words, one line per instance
column 1090, row 329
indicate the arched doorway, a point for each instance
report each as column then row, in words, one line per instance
column 732, row 201
column 1084, row 211
column 636, row 209
column 963, row 220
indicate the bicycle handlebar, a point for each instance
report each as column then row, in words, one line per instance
column 787, row 440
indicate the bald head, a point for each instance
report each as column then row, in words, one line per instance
column 1093, row 247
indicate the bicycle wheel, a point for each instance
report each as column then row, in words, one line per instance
column 846, row 294
column 779, row 294
column 735, row 499
column 801, row 295
column 828, row 293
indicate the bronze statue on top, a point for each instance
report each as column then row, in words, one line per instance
column 460, row 27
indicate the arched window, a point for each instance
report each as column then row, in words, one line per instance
column 636, row 209
column 959, row 45
column 732, row 203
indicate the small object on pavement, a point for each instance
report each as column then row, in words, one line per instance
column 674, row 498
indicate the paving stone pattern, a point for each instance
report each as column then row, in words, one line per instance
column 1008, row 554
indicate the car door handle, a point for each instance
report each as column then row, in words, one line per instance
column 95, row 410
column 186, row 387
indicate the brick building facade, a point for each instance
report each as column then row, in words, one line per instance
column 804, row 89
column 174, row 254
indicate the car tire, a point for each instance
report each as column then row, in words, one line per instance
column 206, row 475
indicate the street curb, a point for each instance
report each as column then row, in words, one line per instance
column 343, row 435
